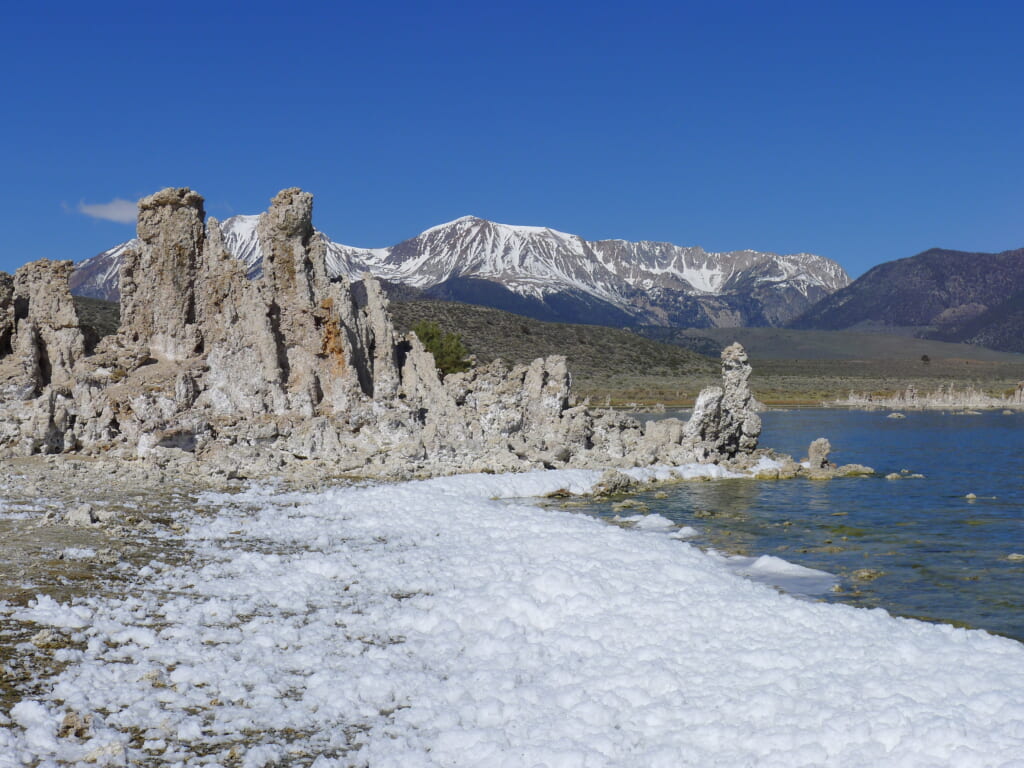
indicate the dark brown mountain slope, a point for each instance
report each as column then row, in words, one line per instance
column 1001, row 327
column 935, row 292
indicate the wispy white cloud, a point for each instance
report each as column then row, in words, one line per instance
column 122, row 211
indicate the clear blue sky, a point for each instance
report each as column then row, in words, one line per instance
column 863, row 131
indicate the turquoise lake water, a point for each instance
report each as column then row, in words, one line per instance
column 916, row 547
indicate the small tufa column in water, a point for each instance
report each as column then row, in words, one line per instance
column 725, row 421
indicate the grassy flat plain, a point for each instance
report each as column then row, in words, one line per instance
column 803, row 367
column 621, row 366
column 786, row 344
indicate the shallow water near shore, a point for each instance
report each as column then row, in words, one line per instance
column 916, row 547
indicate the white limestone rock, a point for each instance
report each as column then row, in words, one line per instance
column 285, row 372
column 725, row 421
column 818, row 452
column 47, row 338
column 158, row 276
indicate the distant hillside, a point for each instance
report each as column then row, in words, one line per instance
column 950, row 295
column 99, row 318
column 591, row 349
column 1001, row 327
column 794, row 344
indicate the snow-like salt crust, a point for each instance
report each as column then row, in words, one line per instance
column 78, row 553
column 21, row 515
column 48, row 612
column 793, row 578
column 445, row 622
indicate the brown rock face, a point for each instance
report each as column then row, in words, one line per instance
column 242, row 352
column 381, row 344
column 742, row 426
column 158, row 278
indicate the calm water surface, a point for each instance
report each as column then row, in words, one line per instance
column 914, row 547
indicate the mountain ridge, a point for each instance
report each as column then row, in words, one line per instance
column 555, row 275
column 942, row 294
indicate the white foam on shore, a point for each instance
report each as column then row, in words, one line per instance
column 443, row 623
column 774, row 571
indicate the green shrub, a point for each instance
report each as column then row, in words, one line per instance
column 447, row 348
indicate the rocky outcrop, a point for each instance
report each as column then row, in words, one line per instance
column 725, row 420
column 296, row 287
column 253, row 376
column 818, row 453
column 158, row 276
column 39, row 329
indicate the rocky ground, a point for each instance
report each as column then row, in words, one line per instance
column 71, row 528
column 74, row 526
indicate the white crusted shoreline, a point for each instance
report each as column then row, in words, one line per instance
column 449, row 621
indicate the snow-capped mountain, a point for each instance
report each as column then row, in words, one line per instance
column 553, row 275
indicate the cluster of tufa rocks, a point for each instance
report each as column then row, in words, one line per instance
column 257, row 375
column 949, row 397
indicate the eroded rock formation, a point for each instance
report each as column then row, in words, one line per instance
column 252, row 376
column 39, row 330
column 158, row 277
column 818, row 453
column 725, row 420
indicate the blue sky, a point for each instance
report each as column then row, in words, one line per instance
column 861, row 131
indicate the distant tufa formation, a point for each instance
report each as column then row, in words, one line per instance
column 949, row 397
column 253, row 376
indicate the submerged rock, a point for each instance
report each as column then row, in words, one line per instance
column 614, row 482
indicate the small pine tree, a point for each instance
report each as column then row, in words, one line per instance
column 447, row 348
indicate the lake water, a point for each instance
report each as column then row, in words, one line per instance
column 916, row 547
